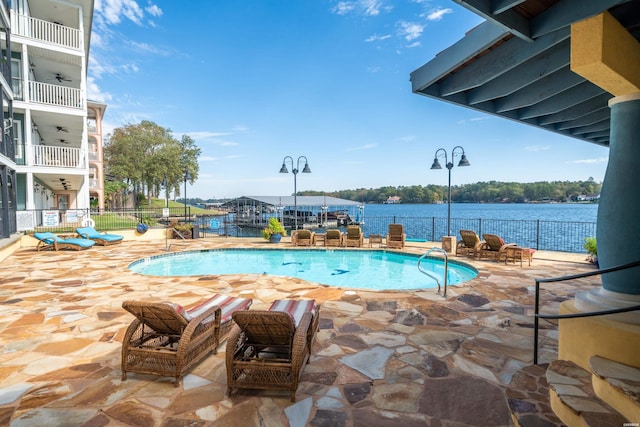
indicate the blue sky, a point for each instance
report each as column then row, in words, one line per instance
column 254, row 81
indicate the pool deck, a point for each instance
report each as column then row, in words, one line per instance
column 380, row 357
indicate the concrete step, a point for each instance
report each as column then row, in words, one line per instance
column 617, row 384
column 574, row 400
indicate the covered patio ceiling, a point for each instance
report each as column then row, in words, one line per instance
column 516, row 65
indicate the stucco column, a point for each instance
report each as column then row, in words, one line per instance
column 619, row 208
column 619, row 213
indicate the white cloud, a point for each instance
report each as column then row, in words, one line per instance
column 591, row 161
column 146, row 47
column 437, row 14
column 536, row 148
column 414, row 44
column 153, row 10
column 363, row 7
column 199, row 135
column 377, row 38
column 94, row 93
column 410, row 30
column 363, row 147
column 113, row 11
column 373, row 69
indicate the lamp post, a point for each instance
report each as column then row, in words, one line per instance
column 165, row 184
column 295, row 170
column 449, row 165
column 187, row 177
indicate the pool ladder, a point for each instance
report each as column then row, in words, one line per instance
column 431, row 274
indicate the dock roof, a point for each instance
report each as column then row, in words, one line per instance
column 289, row 201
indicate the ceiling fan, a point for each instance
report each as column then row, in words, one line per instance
column 61, row 78
column 61, row 129
column 64, row 141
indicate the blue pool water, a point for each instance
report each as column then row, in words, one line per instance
column 376, row 270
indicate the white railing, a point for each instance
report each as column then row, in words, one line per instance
column 61, row 96
column 62, row 157
column 46, row 31
column 93, row 155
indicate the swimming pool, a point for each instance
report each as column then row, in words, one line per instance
column 375, row 270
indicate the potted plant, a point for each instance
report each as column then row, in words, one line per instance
column 274, row 232
column 591, row 247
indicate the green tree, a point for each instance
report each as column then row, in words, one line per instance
column 142, row 155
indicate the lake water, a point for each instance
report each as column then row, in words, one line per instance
column 513, row 211
column 553, row 227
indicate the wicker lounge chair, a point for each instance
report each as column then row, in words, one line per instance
column 493, row 247
column 302, row 238
column 268, row 350
column 354, row 236
column 166, row 339
column 334, row 238
column 103, row 239
column 51, row 241
column 396, row 236
column 470, row 243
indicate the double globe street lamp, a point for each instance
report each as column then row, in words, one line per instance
column 295, row 170
column 449, row 165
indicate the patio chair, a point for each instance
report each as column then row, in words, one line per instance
column 48, row 240
column 396, row 236
column 334, row 238
column 302, row 238
column 268, row 349
column 354, row 236
column 493, row 247
column 470, row 243
column 166, row 339
column 103, row 239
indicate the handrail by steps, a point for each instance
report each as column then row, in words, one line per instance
column 538, row 316
column 433, row 276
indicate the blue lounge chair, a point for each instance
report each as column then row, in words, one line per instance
column 100, row 238
column 51, row 241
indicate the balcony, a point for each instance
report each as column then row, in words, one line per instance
column 47, row 32
column 61, row 157
column 55, row 95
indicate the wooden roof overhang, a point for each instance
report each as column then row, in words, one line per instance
column 516, row 65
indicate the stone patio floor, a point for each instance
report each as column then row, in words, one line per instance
column 380, row 358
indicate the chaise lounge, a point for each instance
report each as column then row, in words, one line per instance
column 166, row 339
column 354, row 237
column 302, row 238
column 48, row 240
column 396, row 236
column 470, row 243
column 268, row 349
column 494, row 247
column 103, row 239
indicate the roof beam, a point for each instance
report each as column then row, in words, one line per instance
column 597, row 127
column 526, row 73
column 586, row 120
column 477, row 40
column 568, row 98
column 498, row 61
column 513, row 22
column 539, row 90
column 572, row 113
column 499, row 6
column 566, row 12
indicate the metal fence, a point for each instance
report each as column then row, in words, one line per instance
column 560, row 236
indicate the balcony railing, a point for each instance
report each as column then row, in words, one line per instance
column 93, row 156
column 61, row 157
column 45, row 31
column 93, row 183
column 61, row 96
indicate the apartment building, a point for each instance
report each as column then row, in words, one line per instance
column 50, row 120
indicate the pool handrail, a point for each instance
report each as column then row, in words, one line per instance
column 433, row 276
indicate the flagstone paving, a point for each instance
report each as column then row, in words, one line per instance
column 380, row 358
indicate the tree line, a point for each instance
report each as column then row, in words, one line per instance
column 481, row 192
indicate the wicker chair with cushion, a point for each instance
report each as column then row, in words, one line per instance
column 268, row 349
column 396, row 236
column 166, row 339
column 334, row 238
column 494, row 247
column 354, row 236
column 470, row 243
column 302, row 238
